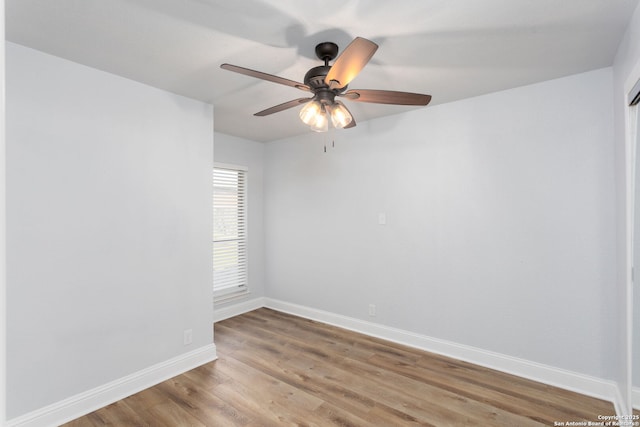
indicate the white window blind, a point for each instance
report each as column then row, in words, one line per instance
column 229, row 230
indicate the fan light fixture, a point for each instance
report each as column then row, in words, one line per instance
column 326, row 82
column 340, row 116
column 314, row 114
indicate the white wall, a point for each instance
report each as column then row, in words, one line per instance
column 243, row 152
column 500, row 222
column 626, row 70
column 109, row 225
column 3, row 257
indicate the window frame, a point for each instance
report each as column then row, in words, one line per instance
column 223, row 295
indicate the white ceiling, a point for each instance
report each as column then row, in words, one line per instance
column 450, row 49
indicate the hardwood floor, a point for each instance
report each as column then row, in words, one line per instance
column 276, row 369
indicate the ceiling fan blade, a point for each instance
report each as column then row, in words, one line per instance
column 386, row 97
column 352, row 124
column 265, row 76
column 283, row 106
column 350, row 62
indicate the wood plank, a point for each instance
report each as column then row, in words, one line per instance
column 357, row 381
column 404, row 357
column 116, row 414
column 277, row 369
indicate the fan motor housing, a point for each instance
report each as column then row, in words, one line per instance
column 315, row 77
column 315, row 80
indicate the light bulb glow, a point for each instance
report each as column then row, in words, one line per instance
column 310, row 111
column 316, row 114
column 320, row 123
column 340, row 116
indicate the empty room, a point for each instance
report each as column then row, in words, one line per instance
column 353, row 213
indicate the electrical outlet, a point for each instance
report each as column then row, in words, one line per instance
column 188, row 336
column 372, row 310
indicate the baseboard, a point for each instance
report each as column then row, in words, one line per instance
column 84, row 403
column 635, row 393
column 620, row 404
column 237, row 309
column 568, row 380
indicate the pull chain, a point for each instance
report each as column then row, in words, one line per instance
column 326, row 138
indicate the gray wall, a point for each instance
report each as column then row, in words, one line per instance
column 109, row 225
column 500, row 226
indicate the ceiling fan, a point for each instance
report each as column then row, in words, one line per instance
column 327, row 82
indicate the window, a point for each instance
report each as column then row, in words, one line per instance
column 229, row 230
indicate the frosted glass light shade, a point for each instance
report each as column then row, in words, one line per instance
column 310, row 111
column 320, row 122
column 340, row 116
column 316, row 115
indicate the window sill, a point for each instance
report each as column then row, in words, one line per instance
column 221, row 299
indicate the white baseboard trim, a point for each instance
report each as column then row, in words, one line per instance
column 237, row 309
column 91, row 400
column 635, row 393
column 620, row 404
column 568, row 380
